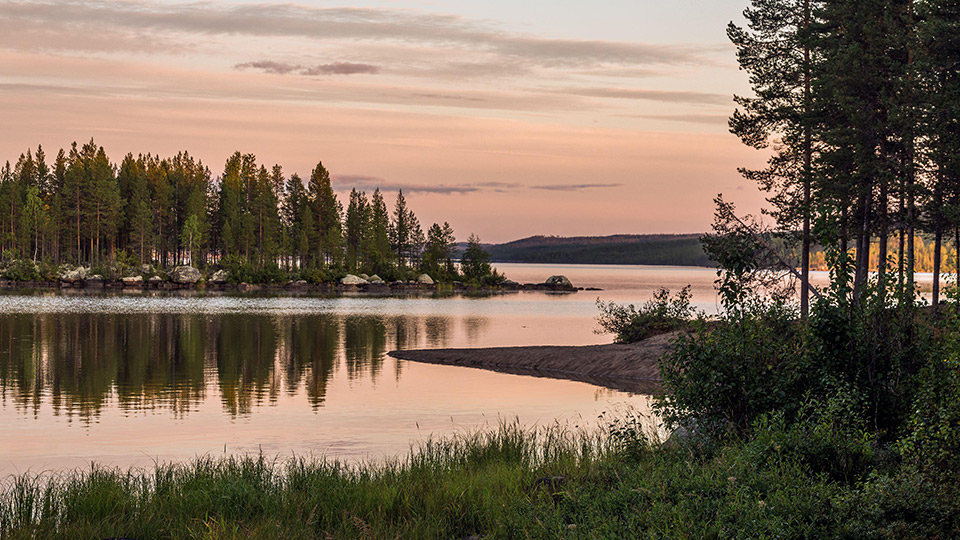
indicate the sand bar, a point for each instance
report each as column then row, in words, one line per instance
column 632, row 367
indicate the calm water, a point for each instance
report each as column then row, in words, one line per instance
column 126, row 379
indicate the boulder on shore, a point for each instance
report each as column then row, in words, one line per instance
column 95, row 280
column 132, row 280
column 375, row 279
column 424, row 279
column 155, row 279
column 558, row 282
column 351, row 279
column 220, row 276
column 185, row 275
column 75, row 275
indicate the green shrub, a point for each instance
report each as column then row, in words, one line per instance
column 22, row 270
column 723, row 376
column 659, row 315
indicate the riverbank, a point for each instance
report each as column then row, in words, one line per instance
column 629, row 367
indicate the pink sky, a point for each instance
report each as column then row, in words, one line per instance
column 503, row 123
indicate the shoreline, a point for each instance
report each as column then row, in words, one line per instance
column 630, row 367
column 395, row 288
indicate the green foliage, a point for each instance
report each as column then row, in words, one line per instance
column 724, row 375
column 22, row 270
column 475, row 262
column 438, row 252
column 662, row 314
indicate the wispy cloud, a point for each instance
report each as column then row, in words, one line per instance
column 335, row 68
column 574, row 187
column 344, row 182
column 708, row 119
column 668, row 96
column 355, row 24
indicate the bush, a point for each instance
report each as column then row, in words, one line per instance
column 660, row 315
column 22, row 270
column 725, row 375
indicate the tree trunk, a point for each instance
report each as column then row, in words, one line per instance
column 882, row 249
column 807, row 171
column 938, row 240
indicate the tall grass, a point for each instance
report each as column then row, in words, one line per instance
column 449, row 488
column 507, row 483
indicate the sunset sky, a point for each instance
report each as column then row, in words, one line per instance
column 506, row 119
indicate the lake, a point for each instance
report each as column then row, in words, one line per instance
column 130, row 378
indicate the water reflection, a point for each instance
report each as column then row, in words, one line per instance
column 81, row 363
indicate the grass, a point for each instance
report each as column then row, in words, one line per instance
column 509, row 482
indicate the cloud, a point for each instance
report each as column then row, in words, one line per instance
column 668, row 96
column 336, row 68
column 344, row 182
column 708, row 119
column 456, row 97
column 573, row 187
column 407, row 27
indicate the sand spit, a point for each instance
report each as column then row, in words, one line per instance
column 631, row 368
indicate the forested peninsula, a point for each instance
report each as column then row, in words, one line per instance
column 84, row 219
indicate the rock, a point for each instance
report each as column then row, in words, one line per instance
column 424, row 279
column 351, row 279
column 132, row 280
column 298, row 284
column 375, row 279
column 155, row 279
column 73, row 276
column 559, row 282
column 397, row 284
column 510, row 284
column 365, row 277
column 95, row 280
column 220, row 276
column 185, row 275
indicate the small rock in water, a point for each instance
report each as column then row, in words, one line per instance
column 559, row 282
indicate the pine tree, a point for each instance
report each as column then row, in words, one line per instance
column 475, row 261
column 380, row 252
column 400, row 232
column 327, row 211
column 774, row 50
column 438, row 253
column 356, row 226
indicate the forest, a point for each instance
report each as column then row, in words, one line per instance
column 261, row 225
column 859, row 102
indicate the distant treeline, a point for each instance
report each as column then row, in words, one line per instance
column 673, row 250
column 658, row 249
column 84, row 209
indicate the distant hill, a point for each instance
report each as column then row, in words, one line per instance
column 660, row 249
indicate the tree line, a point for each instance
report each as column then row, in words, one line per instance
column 860, row 102
column 83, row 209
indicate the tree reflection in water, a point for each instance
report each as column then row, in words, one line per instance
column 81, row 363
